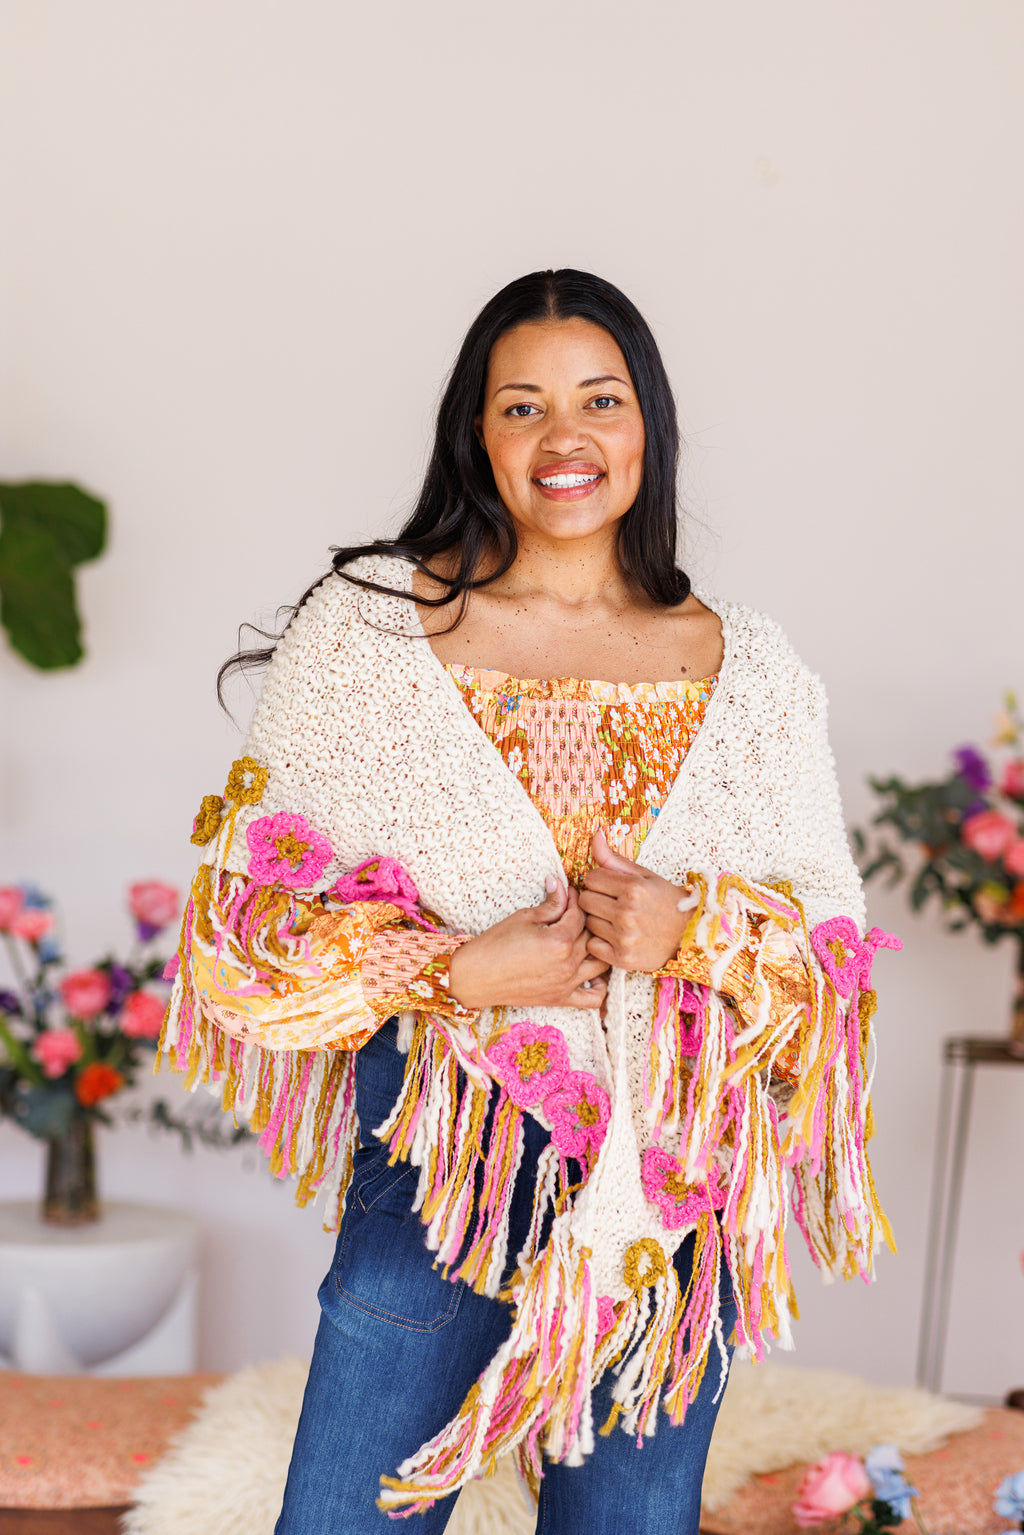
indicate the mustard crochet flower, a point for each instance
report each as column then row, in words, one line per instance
column 246, row 782
column 207, row 822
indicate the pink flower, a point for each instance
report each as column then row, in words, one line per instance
column 153, row 905
column 378, row 879
column 845, row 957
column 830, row 1488
column 85, row 992
column 578, row 1110
column 681, row 1202
column 1012, row 783
column 989, row 833
column 11, row 902
column 31, row 924
column 56, row 1050
column 1013, row 858
column 530, row 1061
column 285, row 850
column 142, row 1016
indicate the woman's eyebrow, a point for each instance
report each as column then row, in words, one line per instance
column 587, row 383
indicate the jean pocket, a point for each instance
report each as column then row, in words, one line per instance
column 382, row 1266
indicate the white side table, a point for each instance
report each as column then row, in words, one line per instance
column 117, row 1297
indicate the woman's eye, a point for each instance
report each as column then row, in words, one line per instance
column 604, row 400
column 520, row 411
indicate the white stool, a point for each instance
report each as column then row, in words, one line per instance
column 117, row 1297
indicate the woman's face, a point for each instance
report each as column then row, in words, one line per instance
column 562, row 428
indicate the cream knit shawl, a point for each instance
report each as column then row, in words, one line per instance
column 363, row 732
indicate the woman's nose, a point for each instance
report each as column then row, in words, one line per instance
column 563, row 434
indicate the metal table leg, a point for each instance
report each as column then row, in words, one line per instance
column 950, row 1156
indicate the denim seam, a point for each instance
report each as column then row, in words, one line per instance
column 407, row 1323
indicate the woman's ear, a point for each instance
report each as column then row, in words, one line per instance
column 478, row 427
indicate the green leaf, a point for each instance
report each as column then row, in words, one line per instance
column 45, row 531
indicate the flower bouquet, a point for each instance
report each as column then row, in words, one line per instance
column 874, row 1492
column 968, row 831
column 68, row 1045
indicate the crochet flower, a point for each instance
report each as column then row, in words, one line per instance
column 379, row 879
column 666, row 1185
column 207, row 821
column 96, row 1082
column 153, row 905
column 142, row 1016
column 845, row 957
column 246, row 782
column 578, row 1110
column 644, row 1264
column 56, row 1050
column 85, row 992
column 884, row 1466
column 285, row 850
column 530, row 1061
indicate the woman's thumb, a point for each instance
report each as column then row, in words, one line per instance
column 608, row 858
column 554, row 899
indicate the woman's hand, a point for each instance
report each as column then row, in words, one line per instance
column 633, row 916
column 535, row 958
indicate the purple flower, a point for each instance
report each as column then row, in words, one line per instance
column 972, row 768
column 122, row 984
column 10, row 1003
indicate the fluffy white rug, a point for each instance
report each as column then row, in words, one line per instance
column 225, row 1473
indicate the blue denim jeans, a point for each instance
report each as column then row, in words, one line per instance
column 398, row 1347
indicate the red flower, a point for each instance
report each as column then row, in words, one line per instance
column 96, row 1082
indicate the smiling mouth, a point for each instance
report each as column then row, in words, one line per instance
column 566, row 481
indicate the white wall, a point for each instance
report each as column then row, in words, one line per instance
column 241, row 243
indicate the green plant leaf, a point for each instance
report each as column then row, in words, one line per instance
column 45, row 531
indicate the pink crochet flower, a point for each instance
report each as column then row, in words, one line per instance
column 142, row 1016
column 605, row 1315
column 578, row 1110
column 530, row 1060
column 665, row 1184
column 85, row 992
column 285, row 850
column 11, row 901
column 845, row 957
column 56, row 1050
column 380, row 879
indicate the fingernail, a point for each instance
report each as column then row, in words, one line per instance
column 550, row 883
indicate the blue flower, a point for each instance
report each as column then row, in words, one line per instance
column 1010, row 1497
column 48, row 950
column 884, row 1466
column 972, row 768
column 35, row 900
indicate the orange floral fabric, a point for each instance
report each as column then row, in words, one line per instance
column 589, row 754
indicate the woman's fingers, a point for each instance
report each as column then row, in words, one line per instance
column 601, row 949
column 588, row 996
column 595, row 905
column 608, row 882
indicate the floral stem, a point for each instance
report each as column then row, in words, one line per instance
column 917, row 1516
column 20, row 1056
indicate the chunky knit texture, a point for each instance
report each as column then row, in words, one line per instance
column 667, row 1117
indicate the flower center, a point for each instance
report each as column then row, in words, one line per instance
column 289, row 847
column 532, row 1060
column 587, row 1113
column 676, row 1185
column 839, row 951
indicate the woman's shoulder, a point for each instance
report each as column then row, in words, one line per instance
column 758, row 650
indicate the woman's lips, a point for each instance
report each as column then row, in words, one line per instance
column 568, row 481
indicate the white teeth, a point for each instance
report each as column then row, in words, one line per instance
column 566, row 481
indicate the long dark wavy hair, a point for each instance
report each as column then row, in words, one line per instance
column 459, row 513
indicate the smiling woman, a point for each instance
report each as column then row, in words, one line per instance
column 528, row 933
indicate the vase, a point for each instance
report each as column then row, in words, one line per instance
column 71, row 1198
column 1017, row 1017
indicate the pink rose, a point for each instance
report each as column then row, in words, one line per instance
column 11, row 902
column 32, row 924
column 1013, row 859
column 153, row 905
column 56, row 1050
column 142, row 1016
column 1012, row 783
column 85, row 993
column 830, row 1488
column 989, row 833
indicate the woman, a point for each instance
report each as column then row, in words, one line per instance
column 557, row 978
